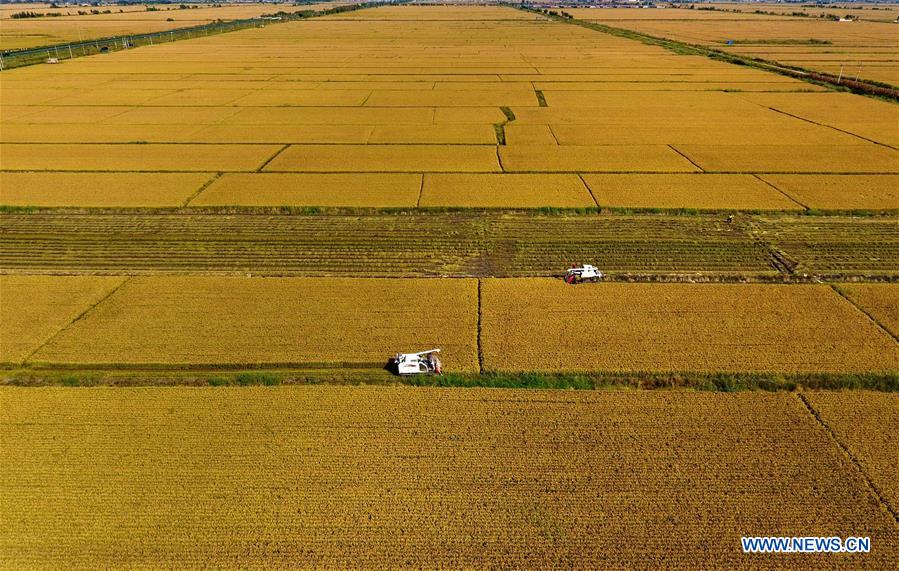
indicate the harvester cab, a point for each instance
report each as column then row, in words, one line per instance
column 585, row 273
column 423, row 363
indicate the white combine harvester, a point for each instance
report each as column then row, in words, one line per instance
column 585, row 273
column 425, row 362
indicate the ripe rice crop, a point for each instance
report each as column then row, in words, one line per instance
column 34, row 308
column 712, row 191
column 868, row 424
column 504, row 190
column 135, row 157
column 881, row 301
column 554, row 158
column 179, row 321
column 860, row 158
column 336, row 477
column 289, row 189
column 442, row 134
column 840, row 192
column 386, row 158
column 547, row 325
column 98, row 189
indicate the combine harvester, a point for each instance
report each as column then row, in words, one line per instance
column 585, row 273
column 423, row 363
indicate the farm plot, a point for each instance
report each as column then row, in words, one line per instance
column 880, row 301
column 546, row 325
column 98, row 189
column 147, row 157
column 703, row 191
column 34, row 308
column 839, row 192
column 221, row 478
column 386, row 158
column 867, row 423
column 834, row 245
column 504, row 190
column 183, row 321
column 277, row 189
column 863, row 48
column 468, row 243
column 861, row 158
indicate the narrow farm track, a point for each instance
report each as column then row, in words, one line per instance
column 454, row 244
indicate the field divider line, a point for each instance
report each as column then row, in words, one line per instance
column 826, row 126
column 589, row 190
column 421, row 188
column 77, row 318
column 499, row 160
column 853, row 459
column 273, row 157
column 772, row 185
column 479, row 331
column 553, row 133
column 867, row 314
column 203, row 187
column 692, row 162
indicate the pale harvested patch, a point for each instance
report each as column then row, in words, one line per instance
column 879, row 300
column 98, row 189
column 547, row 325
column 135, row 157
column 289, row 189
column 34, row 308
column 220, row 321
column 631, row 158
column 386, row 158
column 840, row 192
column 505, row 190
column 710, row 191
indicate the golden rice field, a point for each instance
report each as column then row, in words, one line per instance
column 544, row 324
column 880, row 301
column 465, row 99
column 867, row 425
column 382, row 477
column 134, row 19
column 866, row 48
column 187, row 321
column 519, row 325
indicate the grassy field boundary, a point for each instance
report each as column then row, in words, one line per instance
column 714, row 382
column 861, row 87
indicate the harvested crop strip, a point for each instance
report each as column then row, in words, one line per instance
column 183, row 321
column 547, row 325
